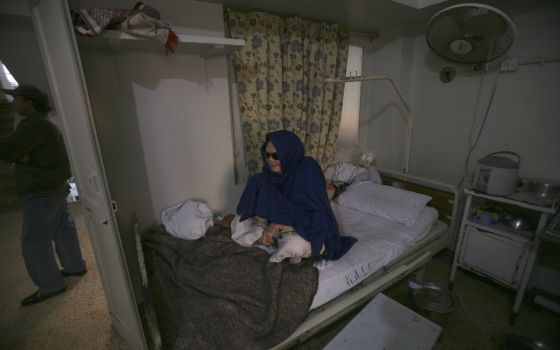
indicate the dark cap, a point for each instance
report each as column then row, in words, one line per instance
column 32, row 93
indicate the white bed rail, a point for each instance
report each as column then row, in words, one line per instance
column 325, row 315
column 429, row 183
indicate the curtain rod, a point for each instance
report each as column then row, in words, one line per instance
column 371, row 36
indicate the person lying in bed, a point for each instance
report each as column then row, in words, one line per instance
column 290, row 193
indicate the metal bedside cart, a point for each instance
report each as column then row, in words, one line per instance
column 497, row 251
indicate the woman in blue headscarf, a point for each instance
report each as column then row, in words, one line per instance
column 291, row 194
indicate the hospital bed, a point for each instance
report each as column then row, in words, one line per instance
column 381, row 269
column 385, row 253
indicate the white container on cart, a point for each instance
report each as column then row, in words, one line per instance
column 496, row 175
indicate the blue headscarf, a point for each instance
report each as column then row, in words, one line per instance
column 296, row 197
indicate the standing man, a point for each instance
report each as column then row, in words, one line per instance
column 42, row 171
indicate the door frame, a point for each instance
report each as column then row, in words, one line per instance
column 59, row 51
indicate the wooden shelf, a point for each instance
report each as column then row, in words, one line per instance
column 204, row 46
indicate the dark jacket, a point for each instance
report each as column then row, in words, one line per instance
column 37, row 149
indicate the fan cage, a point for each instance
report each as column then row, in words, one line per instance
column 489, row 31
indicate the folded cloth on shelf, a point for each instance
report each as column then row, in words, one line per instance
column 142, row 20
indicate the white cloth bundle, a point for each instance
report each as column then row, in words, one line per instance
column 247, row 232
column 187, row 220
column 350, row 173
column 290, row 245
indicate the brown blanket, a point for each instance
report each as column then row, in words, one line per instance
column 214, row 294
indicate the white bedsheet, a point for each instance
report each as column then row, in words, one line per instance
column 380, row 241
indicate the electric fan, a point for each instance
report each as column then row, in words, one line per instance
column 470, row 33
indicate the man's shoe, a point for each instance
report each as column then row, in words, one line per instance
column 38, row 297
column 79, row 273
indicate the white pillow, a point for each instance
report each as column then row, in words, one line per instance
column 389, row 202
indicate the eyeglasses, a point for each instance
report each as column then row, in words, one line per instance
column 274, row 155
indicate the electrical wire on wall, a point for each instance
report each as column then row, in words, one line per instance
column 473, row 146
column 494, row 31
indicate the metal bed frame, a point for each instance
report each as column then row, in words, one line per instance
column 414, row 259
column 445, row 200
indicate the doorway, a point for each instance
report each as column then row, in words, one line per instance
column 77, row 318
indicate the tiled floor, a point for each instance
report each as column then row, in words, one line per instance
column 78, row 319
column 480, row 318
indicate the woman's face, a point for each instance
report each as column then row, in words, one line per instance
column 272, row 158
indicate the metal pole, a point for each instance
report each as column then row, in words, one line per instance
column 398, row 91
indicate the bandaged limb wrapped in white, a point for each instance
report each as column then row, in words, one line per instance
column 290, row 245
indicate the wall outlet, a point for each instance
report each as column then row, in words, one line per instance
column 509, row 64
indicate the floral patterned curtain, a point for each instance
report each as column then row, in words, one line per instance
column 280, row 74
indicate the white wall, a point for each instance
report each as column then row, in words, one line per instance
column 163, row 124
column 382, row 115
column 15, row 8
column 523, row 117
column 164, row 121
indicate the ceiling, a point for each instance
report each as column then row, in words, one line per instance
column 370, row 16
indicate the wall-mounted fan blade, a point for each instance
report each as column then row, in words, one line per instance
column 470, row 33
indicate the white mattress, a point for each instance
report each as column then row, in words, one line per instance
column 380, row 241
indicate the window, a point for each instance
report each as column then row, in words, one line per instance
column 350, row 119
column 6, row 73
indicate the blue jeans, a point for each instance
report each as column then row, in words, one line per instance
column 47, row 220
